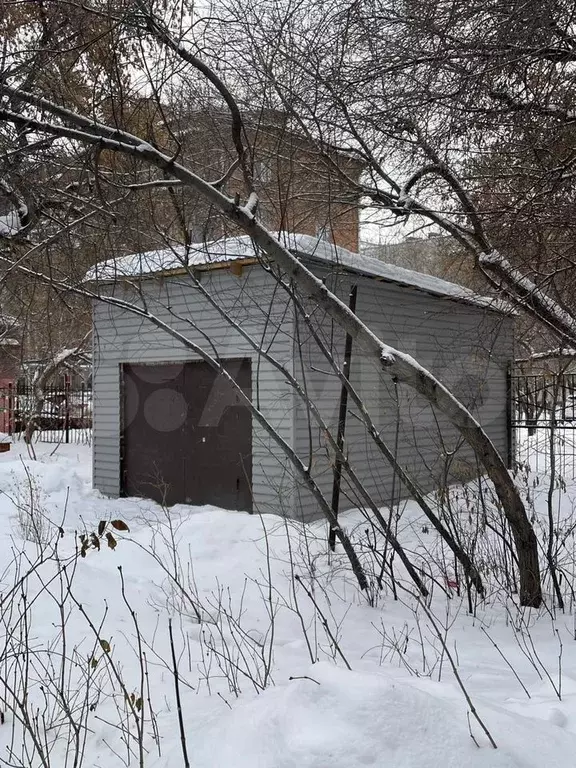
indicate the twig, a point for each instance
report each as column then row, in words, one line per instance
column 324, row 621
column 178, row 700
column 507, row 663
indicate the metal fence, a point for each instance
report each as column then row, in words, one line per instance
column 66, row 415
column 541, row 418
column 542, row 422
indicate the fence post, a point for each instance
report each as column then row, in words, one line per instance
column 82, row 423
column 67, row 410
column 4, row 411
column 10, row 409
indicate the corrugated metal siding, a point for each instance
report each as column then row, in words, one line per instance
column 451, row 338
column 466, row 347
column 253, row 302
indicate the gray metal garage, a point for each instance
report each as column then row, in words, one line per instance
column 165, row 427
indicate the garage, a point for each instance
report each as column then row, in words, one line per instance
column 170, row 431
column 186, row 437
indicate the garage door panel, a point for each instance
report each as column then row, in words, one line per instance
column 219, row 469
column 186, row 435
column 155, row 414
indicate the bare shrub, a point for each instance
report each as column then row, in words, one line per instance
column 29, row 500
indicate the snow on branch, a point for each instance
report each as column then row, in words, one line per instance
column 527, row 294
column 563, row 352
column 17, row 219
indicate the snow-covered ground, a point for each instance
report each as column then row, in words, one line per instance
column 265, row 678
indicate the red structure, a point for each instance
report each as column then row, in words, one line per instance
column 10, row 361
column 6, row 408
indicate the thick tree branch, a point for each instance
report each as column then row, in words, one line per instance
column 393, row 362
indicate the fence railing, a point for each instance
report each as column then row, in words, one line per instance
column 66, row 415
column 542, row 421
column 541, row 417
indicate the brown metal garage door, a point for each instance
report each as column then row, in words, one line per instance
column 185, row 435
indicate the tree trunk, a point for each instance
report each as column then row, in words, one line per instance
column 408, row 371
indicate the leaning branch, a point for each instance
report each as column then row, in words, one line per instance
column 393, row 362
column 40, row 382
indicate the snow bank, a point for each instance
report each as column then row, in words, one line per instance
column 346, row 719
column 328, row 717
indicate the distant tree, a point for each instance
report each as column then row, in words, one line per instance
column 461, row 111
column 41, row 379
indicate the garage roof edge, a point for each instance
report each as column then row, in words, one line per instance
column 222, row 253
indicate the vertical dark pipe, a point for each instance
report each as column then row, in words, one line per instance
column 11, row 409
column 67, row 410
column 342, row 423
column 509, row 417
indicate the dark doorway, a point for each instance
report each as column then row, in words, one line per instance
column 185, row 435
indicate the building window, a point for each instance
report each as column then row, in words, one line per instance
column 267, row 217
column 197, row 233
column 262, row 171
column 216, row 163
column 209, row 228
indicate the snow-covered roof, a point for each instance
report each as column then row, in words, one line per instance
column 230, row 249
